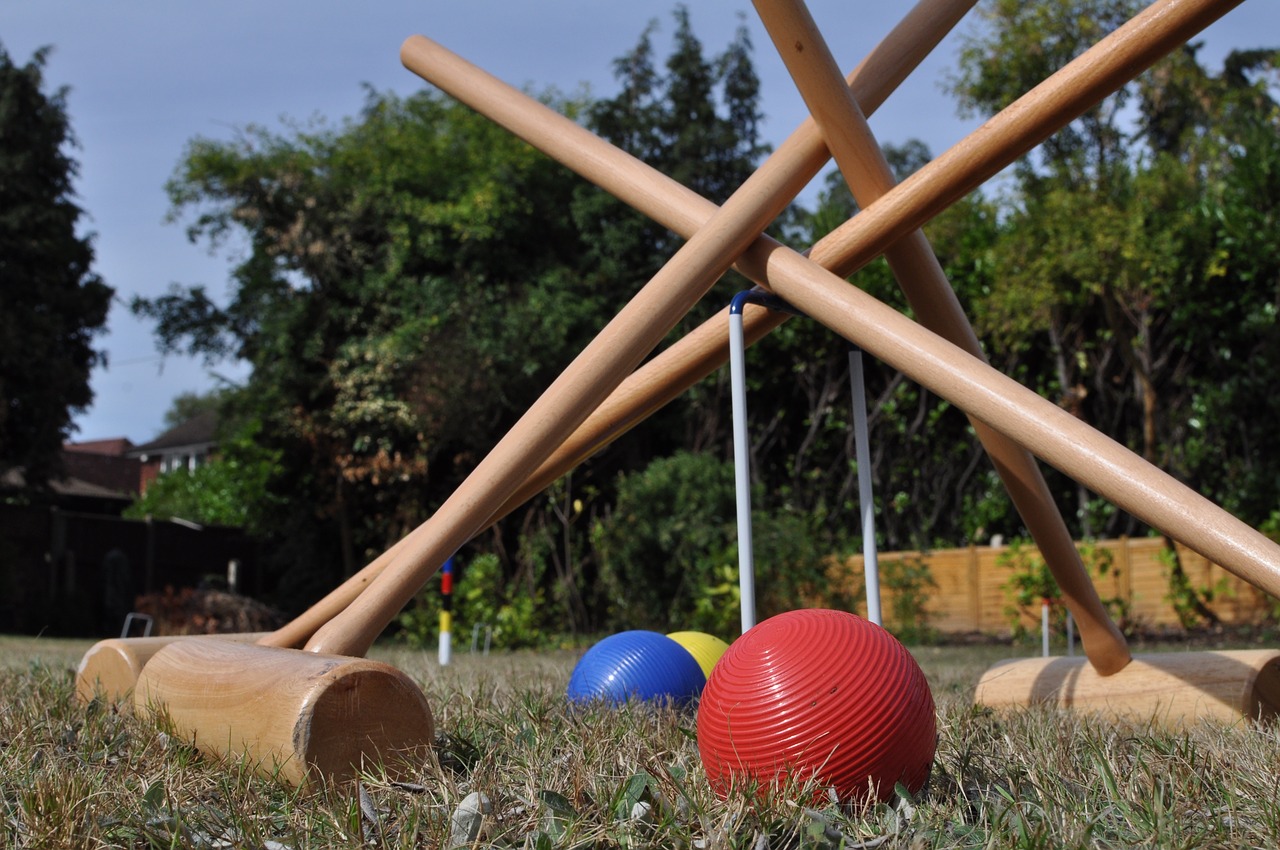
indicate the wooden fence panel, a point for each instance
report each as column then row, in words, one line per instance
column 970, row 592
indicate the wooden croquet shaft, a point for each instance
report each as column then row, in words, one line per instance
column 1053, row 434
column 792, row 168
column 294, row 715
column 606, row 361
column 1059, row 99
column 1104, row 643
column 1056, row 437
column 922, row 279
column 1170, row 690
column 1098, row 462
column 800, row 157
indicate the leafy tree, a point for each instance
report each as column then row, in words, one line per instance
column 1112, row 292
column 187, row 406
column 401, row 302
column 698, row 123
column 51, row 302
column 1225, row 318
column 230, row 487
column 696, row 119
column 1020, row 44
column 1082, row 261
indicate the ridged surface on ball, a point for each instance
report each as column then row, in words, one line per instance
column 822, row 694
column 636, row 665
column 706, row 649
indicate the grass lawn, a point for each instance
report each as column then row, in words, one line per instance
column 19, row 653
column 76, row 776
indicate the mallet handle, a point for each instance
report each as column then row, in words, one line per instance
column 1104, row 67
column 606, row 361
column 704, row 350
column 1053, row 434
column 1154, row 32
column 922, row 279
column 797, row 160
column 1022, row 475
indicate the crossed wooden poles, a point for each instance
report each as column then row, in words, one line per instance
column 326, row 711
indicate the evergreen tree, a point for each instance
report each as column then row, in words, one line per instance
column 51, row 302
column 697, row 121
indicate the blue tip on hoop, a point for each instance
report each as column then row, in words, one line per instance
column 760, row 298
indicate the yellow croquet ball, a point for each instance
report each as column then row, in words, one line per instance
column 706, row 649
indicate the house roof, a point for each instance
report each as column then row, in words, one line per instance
column 14, row 479
column 113, row 447
column 199, row 430
column 116, row 473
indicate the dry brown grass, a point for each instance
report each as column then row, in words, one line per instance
column 73, row 776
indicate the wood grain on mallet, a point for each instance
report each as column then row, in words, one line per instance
column 110, row 668
column 301, row 716
column 1171, row 690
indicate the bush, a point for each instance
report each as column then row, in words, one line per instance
column 1032, row 582
column 666, row 541
column 668, row 553
column 908, row 582
column 792, row 564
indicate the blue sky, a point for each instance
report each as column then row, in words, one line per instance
column 146, row 76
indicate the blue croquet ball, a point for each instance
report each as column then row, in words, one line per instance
column 636, row 665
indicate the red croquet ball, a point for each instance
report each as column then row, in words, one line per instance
column 822, row 695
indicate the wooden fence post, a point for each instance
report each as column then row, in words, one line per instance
column 975, row 592
column 1126, row 573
